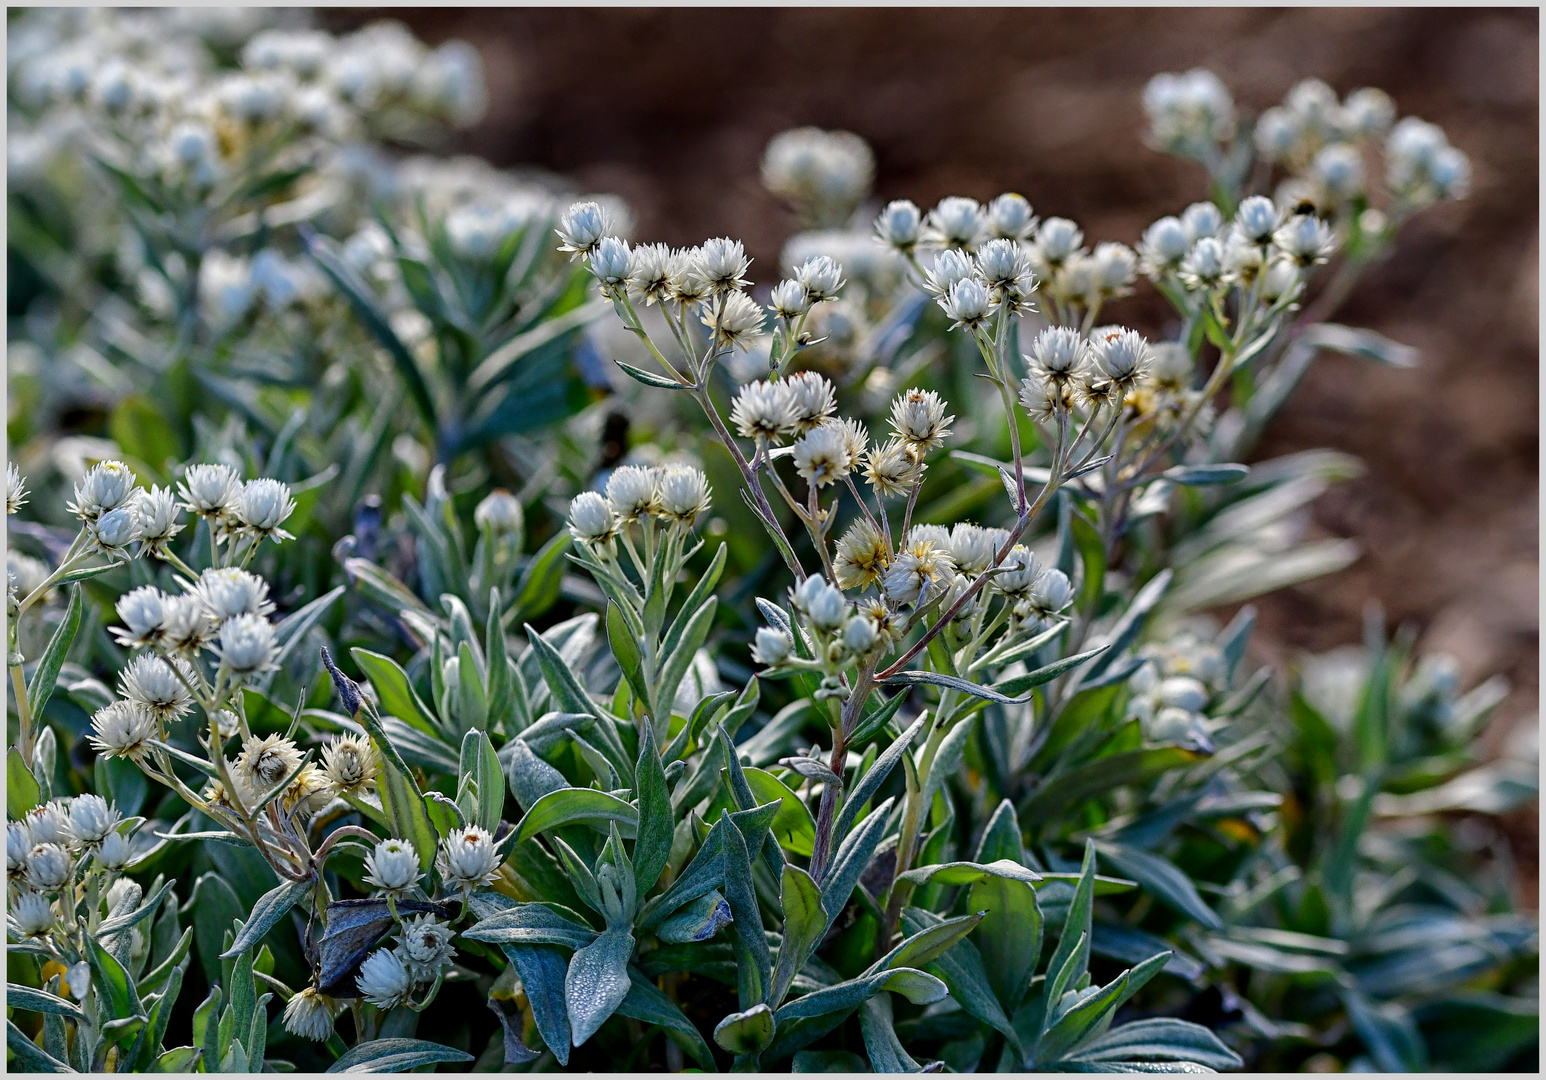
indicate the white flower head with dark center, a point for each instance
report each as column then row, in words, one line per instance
column 771, row 646
column 861, row 556
column 1058, row 353
column 632, row 492
column 973, row 548
column 311, row 790
column 790, row 299
column 736, row 325
column 500, row 513
column 722, row 263
column 1057, row 239
column 230, row 591
column 140, row 612
column 682, row 495
column 393, row 867
column 649, row 275
column 1017, row 573
column 899, row 225
column 1257, row 218
column 955, row 222
column 467, row 858
column 821, row 276
column 209, row 490
column 264, row 762
column 49, row 867
column 351, row 763
column 918, row 418
column 158, row 513
column 855, row 437
column 892, row 469
column 425, row 947
column 15, row 490
column 591, row 519
column 920, row 571
column 1010, row 217
column 1122, row 355
column 263, row 505
column 1306, row 239
column 107, row 486
column 384, row 980
column 92, row 818
column 583, row 226
column 153, row 683
column 31, row 914
column 950, row 266
column 764, row 410
column 611, row 262
column 247, row 645
column 1164, row 244
column 813, row 399
column 122, row 729
column 309, row 1015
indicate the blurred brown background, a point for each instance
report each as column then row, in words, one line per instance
column 671, row 109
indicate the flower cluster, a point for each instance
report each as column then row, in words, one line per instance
column 823, row 175
column 674, row 495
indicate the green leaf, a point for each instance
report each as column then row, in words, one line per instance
column 852, row 857
column 480, row 764
column 657, row 822
column 568, row 691
column 746, row 1032
column 1131, row 623
column 471, row 705
column 951, row 682
column 178, row 1060
column 1092, row 555
column 1084, row 1017
column 919, row 987
column 1159, row 876
column 1010, row 935
column 394, row 691
column 625, row 649
column 928, row 944
column 970, row 873
column 206, row 1025
column 1071, row 960
column 754, row 963
column 148, row 983
column 597, row 982
column 1160, row 1039
column 540, row 583
column 270, row 908
column 41, row 1001
column 660, row 382
column 112, row 981
column 962, row 971
column 1021, row 683
column 21, row 790
column 41, row 688
column 569, row 806
column 675, row 668
column 532, row 924
column 395, row 1055
column 871, row 781
column 1052, row 799
column 804, row 923
column 697, row 921
column 1202, row 475
column 647, row 1004
column 875, row 721
column 877, row 1025
column 793, row 827
column 405, row 809
column 30, row 1058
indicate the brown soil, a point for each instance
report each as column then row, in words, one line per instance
column 671, row 109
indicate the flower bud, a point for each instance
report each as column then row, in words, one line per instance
column 116, row 852
column 583, row 226
column 821, row 276
column 500, row 512
column 1257, row 218
column 247, row 644
column 263, row 505
column 1183, row 692
column 1202, row 219
column 117, row 529
column 49, row 867
column 1057, row 239
column 1010, row 217
column 611, row 262
column 32, row 914
column 590, row 518
column 1051, row 592
column 91, row 818
column 1164, row 244
column 859, row 635
column 899, row 224
column 828, row 609
column 790, row 299
column 772, row 646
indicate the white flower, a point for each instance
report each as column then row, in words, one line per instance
column 192, row 143
column 1172, row 368
column 827, row 610
column 1306, row 239
column 861, row 556
column 739, row 325
column 722, row 263
column 973, row 548
column 1057, row 239
column 892, row 469
column 121, row 729
column 686, row 284
column 384, row 980
column 108, row 486
column 683, row 494
column 764, row 410
column 821, row 276
column 15, row 490
column 950, row 266
column 1164, row 245
column 1010, row 217
column 1007, row 268
column 918, row 417
column 467, row 858
column 1257, row 218
column 1122, row 355
column 772, row 646
column 187, row 624
column 590, row 518
column 1018, row 572
column 1338, row 168
column 116, row 852
column 350, row 762
column 649, row 275
column 1051, row 593
column 822, row 455
column 1188, row 113
column 18, row 841
column 611, row 262
column 500, row 512
column 583, row 226
column 263, row 763
column 824, row 174
column 247, row 644
column 919, row 573
column 632, row 492
column 1203, row 267
column 116, row 529
column 426, row 947
column 32, row 914
column 151, row 682
column 968, row 304
column 49, row 823
column 1282, row 279
column 1278, row 131
column 789, row 299
column 49, row 867
column 1368, row 112
column 1115, row 267
column 1202, row 219
column 1057, row 353
column 1183, row 692
column 813, row 399
column 1450, row 174
column 392, row 867
column 91, row 818
column 955, row 222
column 263, row 505
column 209, row 490
column 140, row 610
column 898, row 225
column 309, row 1015
column 158, row 512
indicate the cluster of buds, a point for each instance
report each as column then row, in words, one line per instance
column 840, row 634
column 1190, row 114
column 822, row 175
column 1172, row 692
column 676, row 496
column 1265, row 250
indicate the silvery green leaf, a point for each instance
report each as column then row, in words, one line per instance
column 852, row 858
column 597, row 982
column 1161, row 1039
column 1234, row 573
column 746, row 1032
column 871, row 781
column 569, row 806
column 395, row 1055
column 697, row 921
column 1202, row 475
column 1161, row 878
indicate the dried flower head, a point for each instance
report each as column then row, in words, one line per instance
column 1017, row 573
column 892, row 469
column 861, row 556
column 1058, row 353
column 823, row 174
column 310, row 1014
column 351, row 763
column 426, row 947
column 918, row 418
column 920, row 571
column 723, row 264
column 1122, row 355
column 263, row 763
column 649, row 275
column 812, row 398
